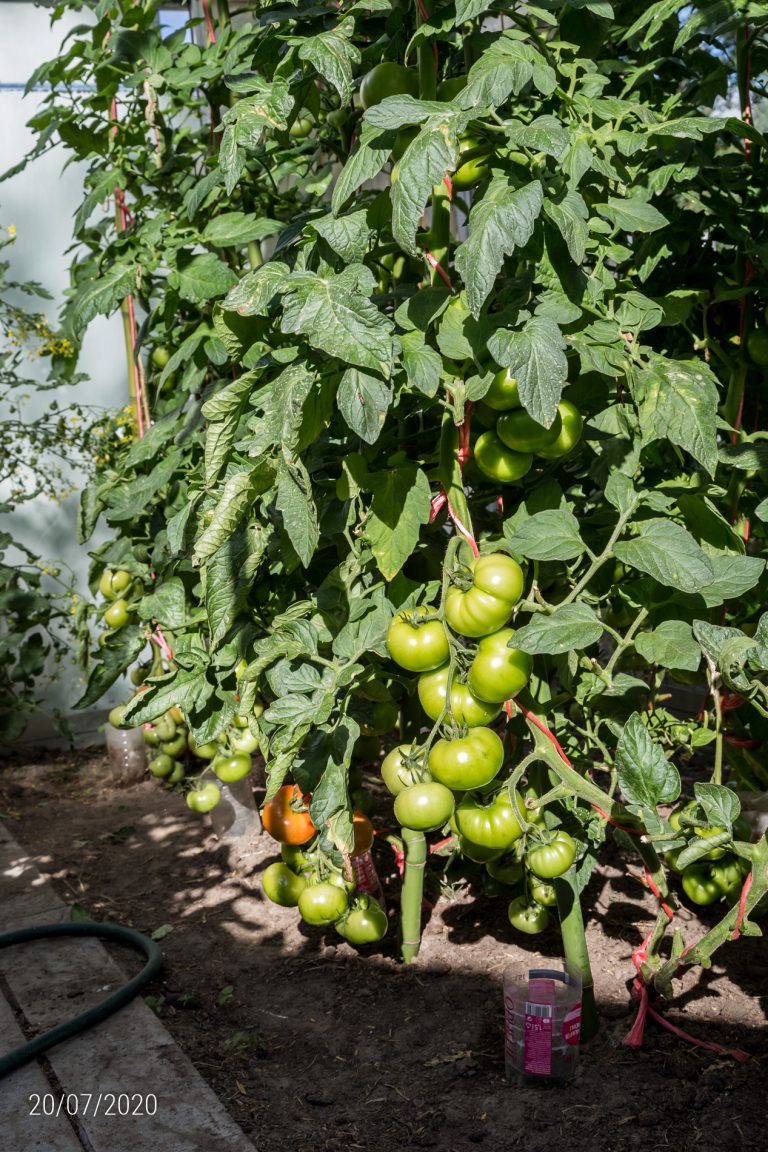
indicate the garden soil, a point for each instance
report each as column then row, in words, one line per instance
column 313, row 1045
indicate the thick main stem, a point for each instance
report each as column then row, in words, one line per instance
column 415, row 844
column 575, row 948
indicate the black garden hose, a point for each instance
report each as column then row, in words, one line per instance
column 100, row 1011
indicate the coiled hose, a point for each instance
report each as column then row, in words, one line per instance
column 100, row 1011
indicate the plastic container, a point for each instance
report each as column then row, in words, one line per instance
column 235, row 817
column 542, row 1021
column 126, row 753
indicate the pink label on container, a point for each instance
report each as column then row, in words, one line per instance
column 537, row 1041
column 572, row 1025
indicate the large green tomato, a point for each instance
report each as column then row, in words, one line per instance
column 548, row 860
column 202, row 751
column 404, row 137
column 177, row 744
column 230, row 769
column 388, row 79
column 282, row 885
column 242, row 740
column 542, row 893
column 161, row 765
column 503, row 393
column 417, row 647
column 491, row 825
column 729, row 875
column 322, row 904
column 117, row 716
column 498, row 462
column 118, row 615
column 365, row 923
column 472, row 171
column 700, row 885
column 571, row 425
column 204, row 798
column 465, row 707
column 506, row 869
column 528, row 918
column 113, row 584
column 476, row 852
column 499, row 672
column 486, row 606
column 471, row 761
column 424, row 807
column 450, row 88
column 160, row 357
column 522, row 433
column 394, row 773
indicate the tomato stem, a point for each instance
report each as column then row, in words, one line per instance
column 412, row 893
column 575, row 947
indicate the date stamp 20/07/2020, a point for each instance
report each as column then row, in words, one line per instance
column 92, row 1104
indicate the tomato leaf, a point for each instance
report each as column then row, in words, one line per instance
column 498, row 224
column 116, row 657
column 631, row 215
column 669, row 554
column 550, row 535
column 536, row 357
column 569, row 215
column 296, row 502
column 678, row 402
column 401, row 505
column 365, row 162
column 201, row 278
column 166, row 606
column 721, row 805
column 570, row 627
column 423, row 365
column 334, row 57
column 646, row 777
column 364, row 401
column 671, row 644
column 425, row 162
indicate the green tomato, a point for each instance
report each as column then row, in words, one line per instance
column 160, row 357
column 728, row 874
column 150, row 736
column 394, row 772
column 366, row 748
column 522, row 433
column 322, row 904
column 230, row 769
column 571, row 425
column 486, row 606
column 498, row 462
column 477, row 852
column 337, row 117
column 465, row 707
column 204, row 798
column 387, row 79
column 243, row 741
column 282, row 885
column 528, row 918
column 547, row 860
column 492, row 824
column 118, row 615
column 450, row 88
column 469, row 762
column 424, row 807
column 365, row 923
column 202, row 751
column 165, row 726
column 505, row 869
column 239, row 721
column 699, row 884
column 117, row 716
column 300, row 128
column 503, row 393
column 178, row 774
column 757, row 346
column 542, row 893
column 404, row 137
column 176, row 746
column 471, row 172
column 162, row 765
column 113, row 584
column 499, row 672
column 138, row 676
column 417, row 647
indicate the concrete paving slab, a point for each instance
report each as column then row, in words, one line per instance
column 130, row 1084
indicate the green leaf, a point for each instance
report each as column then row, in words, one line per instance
column 468, row 9
column 336, row 316
column 224, row 411
column 401, row 506
column 669, row 554
column 364, row 634
column 364, row 163
column 721, row 805
column 572, row 627
column 186, row 687
column 225, row 592
column 296, row 502
column 424, row 164
column 550, row 535
column 167, row 606
column 117, row 655
column 334, row 57
column 364, row 401
column 422, row 363
column 620, row 492
column 100, row 297
column 498, row 224
column 646, row 777
column 733, row 575
column 348, row 236
column 632, row 215
column 569, row 215
column 678, row 402
column 395, row 111
column 504, row 68
column 253, row 295
column 671, row 644
column 544, row 134
column 200, row 278
column 237, row 496
column 122, row 501
column 233, row 228
column 536, row 357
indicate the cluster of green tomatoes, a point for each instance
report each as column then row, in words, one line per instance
column 120, row 591
column 468, row 667
column 505, row 453
column 720, row 873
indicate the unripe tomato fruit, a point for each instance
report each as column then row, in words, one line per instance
column 175, row 746
column 499, row 672
column 388, row 79
column 117, row 716
column 419, row 647
column 160, row 357
column 394, row 772
column 528, row 918
column 243, row 741
column 300, row 128
column 282, row 885
column 542, row 893
column 522, row 433
column 112, row 584
column 472, row 172
column 465, row 707
column 471, row 761
column 117, row 615
column 494, row 825
column 548, row 860
column 177, row 774
column 165, row 727
column 757, row 346
column 505, row 869
column 162, row 765
column 282, row 822
column 503, row 393
column 322, row 904
column 203, row 751
column 205, row 798
column 424, row 807
column 450, row 88
column 230, row 769
column 500, row 463
column 477, row 852
column 365, row 923
column 571, row 425
column 486, row 606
